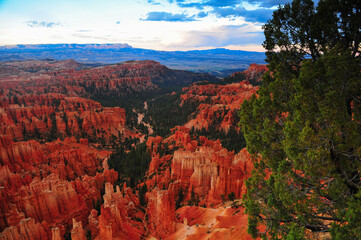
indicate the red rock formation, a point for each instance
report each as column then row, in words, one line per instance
column 211, row 170
column 52, row 182
column 223, row 222
column 253, row 74
column 207, row 169
column 93, row 223
column 161, row 213
column 218, row 104
column 68, row 158
column 57, row 115
column 54, row 200
column 27, row 229
column 77, row 233
column 51, row 201
column 117, row 214
column 122, row 78
column 231, row 177
column 47, row 187
column 55, row 234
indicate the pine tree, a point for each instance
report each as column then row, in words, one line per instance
column 231, row 196
column 142, row 191
column 180, row 198
column 304, row 129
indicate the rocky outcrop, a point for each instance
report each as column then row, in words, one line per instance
column 223, row 222
column 218, row 104
column 204, row 173
column 50, row 183
column 52, row 200
column 119, row 215
column 211, row 171
column 123, row 78
column 69, row 159
column 77, row 233
column 27, row 229
column 50, row 116
column 161, row 212
column 55, row 181
column 231, row 176
column 253, row 74
column 55, row 234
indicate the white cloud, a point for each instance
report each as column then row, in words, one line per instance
column 221, row 36
column 45, row 24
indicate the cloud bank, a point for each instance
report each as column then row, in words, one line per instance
column 42, row 24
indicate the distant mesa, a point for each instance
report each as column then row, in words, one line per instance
column 219, row 62
column 67, row 45
column 76, row 79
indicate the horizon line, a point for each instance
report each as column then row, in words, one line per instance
column 126, row 45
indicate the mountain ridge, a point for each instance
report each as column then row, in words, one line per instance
column 219, row 61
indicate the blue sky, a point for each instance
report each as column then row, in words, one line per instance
column 152, row 24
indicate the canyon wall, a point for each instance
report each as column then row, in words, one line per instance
column 203, row 173
column 218, row 104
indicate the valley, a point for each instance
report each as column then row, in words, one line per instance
column 126, row 151
column 184, row 134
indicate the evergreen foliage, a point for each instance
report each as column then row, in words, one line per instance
column 304, row 127
column 180, row 198
column 165, row 112
column 142, row 191
column 131, row 165
column 53, row 130
column 231, row 196
column 239, row 77
column 194, row 200
column 234, row 78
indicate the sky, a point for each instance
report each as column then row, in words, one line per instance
column 151, row 24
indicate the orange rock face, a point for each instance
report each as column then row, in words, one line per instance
column 61, row 77
column 223, row 222
column 208, row 170
column 44, row 186
column 47, row 184
column 74, row 79
column 119, row 214
column 207, row 167
column 27, row 229
column 77, row 233
column 253, row 74
column 218, row 104
column 54, row 177
column 56, row 115
column 161, row 212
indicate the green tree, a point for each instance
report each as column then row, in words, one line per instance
column 131, row 165
column 142, row 191
column 304, row 129
column 194, row 200
column 180, row 198
column 231, row 196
